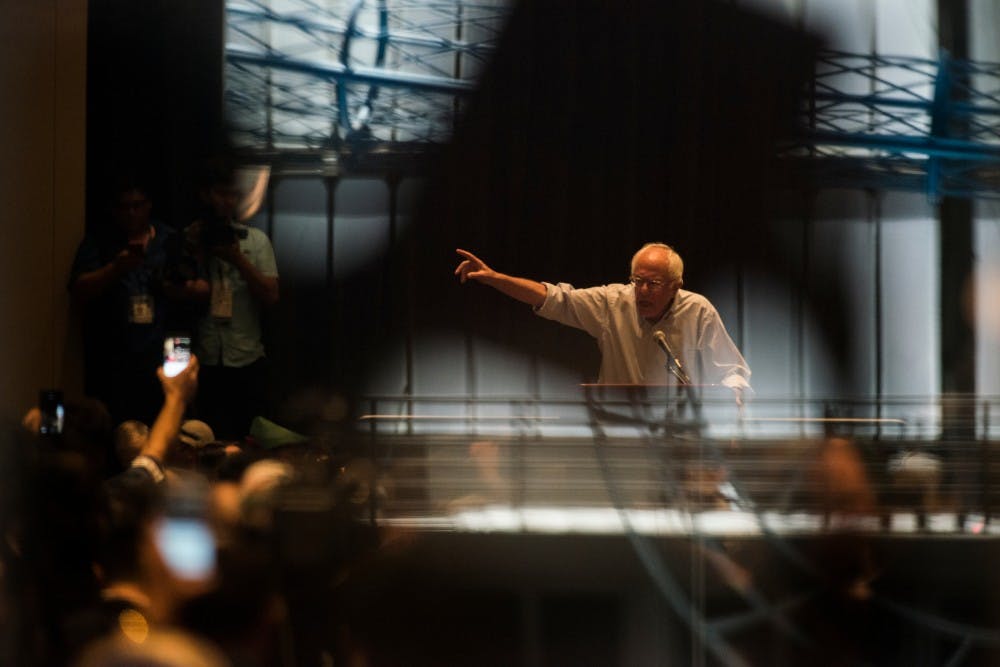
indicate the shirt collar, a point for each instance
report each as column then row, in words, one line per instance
column 668, row 311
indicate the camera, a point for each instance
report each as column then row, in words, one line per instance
column 220, row 232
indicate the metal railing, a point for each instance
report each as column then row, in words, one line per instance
column 654, row 450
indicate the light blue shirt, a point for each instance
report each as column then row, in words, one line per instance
column 629, row 352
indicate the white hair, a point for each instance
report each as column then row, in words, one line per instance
column 675, row 266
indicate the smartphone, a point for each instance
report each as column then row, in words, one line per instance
column 176, row 354
column 187, row 547
column 182, row 534
column 50, row 403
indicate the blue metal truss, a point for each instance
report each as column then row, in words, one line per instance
column 325, row 76
column 889, row 122
column 312, row 74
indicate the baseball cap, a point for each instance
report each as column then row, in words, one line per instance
column 196, row 433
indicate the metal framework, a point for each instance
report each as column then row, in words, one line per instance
column 898, row 123
column 309, row 74
column 330, row 76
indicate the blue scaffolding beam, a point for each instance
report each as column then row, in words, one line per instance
column 891, row 123
column 323, row 76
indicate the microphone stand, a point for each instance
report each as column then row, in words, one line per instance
column 675, row 369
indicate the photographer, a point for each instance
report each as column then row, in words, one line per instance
column 243, row 279
column 120, row 280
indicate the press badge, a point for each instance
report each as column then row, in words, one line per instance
column 222, row 299
column 140, row 309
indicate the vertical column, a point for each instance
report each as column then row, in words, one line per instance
column 958, row 345
column 332, row 316
column 956, row 238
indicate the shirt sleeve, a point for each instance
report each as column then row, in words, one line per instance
column 721, row 358
column 143, row 476
column 87, row 259
column 585, row 309
column 263, row 257
column 148, row 465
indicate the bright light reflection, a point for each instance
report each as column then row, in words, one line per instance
column 557, row 520
column 610, row 521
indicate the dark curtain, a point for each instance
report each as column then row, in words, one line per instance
column 601, row 125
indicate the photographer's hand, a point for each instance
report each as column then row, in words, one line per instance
column 32, row 420
column 127, row 260
column 263, row 288
column 197, row 289
column 94, row 283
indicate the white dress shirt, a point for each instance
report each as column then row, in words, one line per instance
column 630, row 354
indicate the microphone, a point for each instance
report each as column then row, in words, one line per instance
column 673, row 361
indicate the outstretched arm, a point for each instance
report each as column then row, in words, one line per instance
column 524, row 290
column 178, row 392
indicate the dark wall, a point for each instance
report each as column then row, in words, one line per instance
column 154, row 97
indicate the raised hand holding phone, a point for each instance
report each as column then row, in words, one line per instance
column 176, row 354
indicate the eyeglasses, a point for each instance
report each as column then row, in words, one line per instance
column 639, row 281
